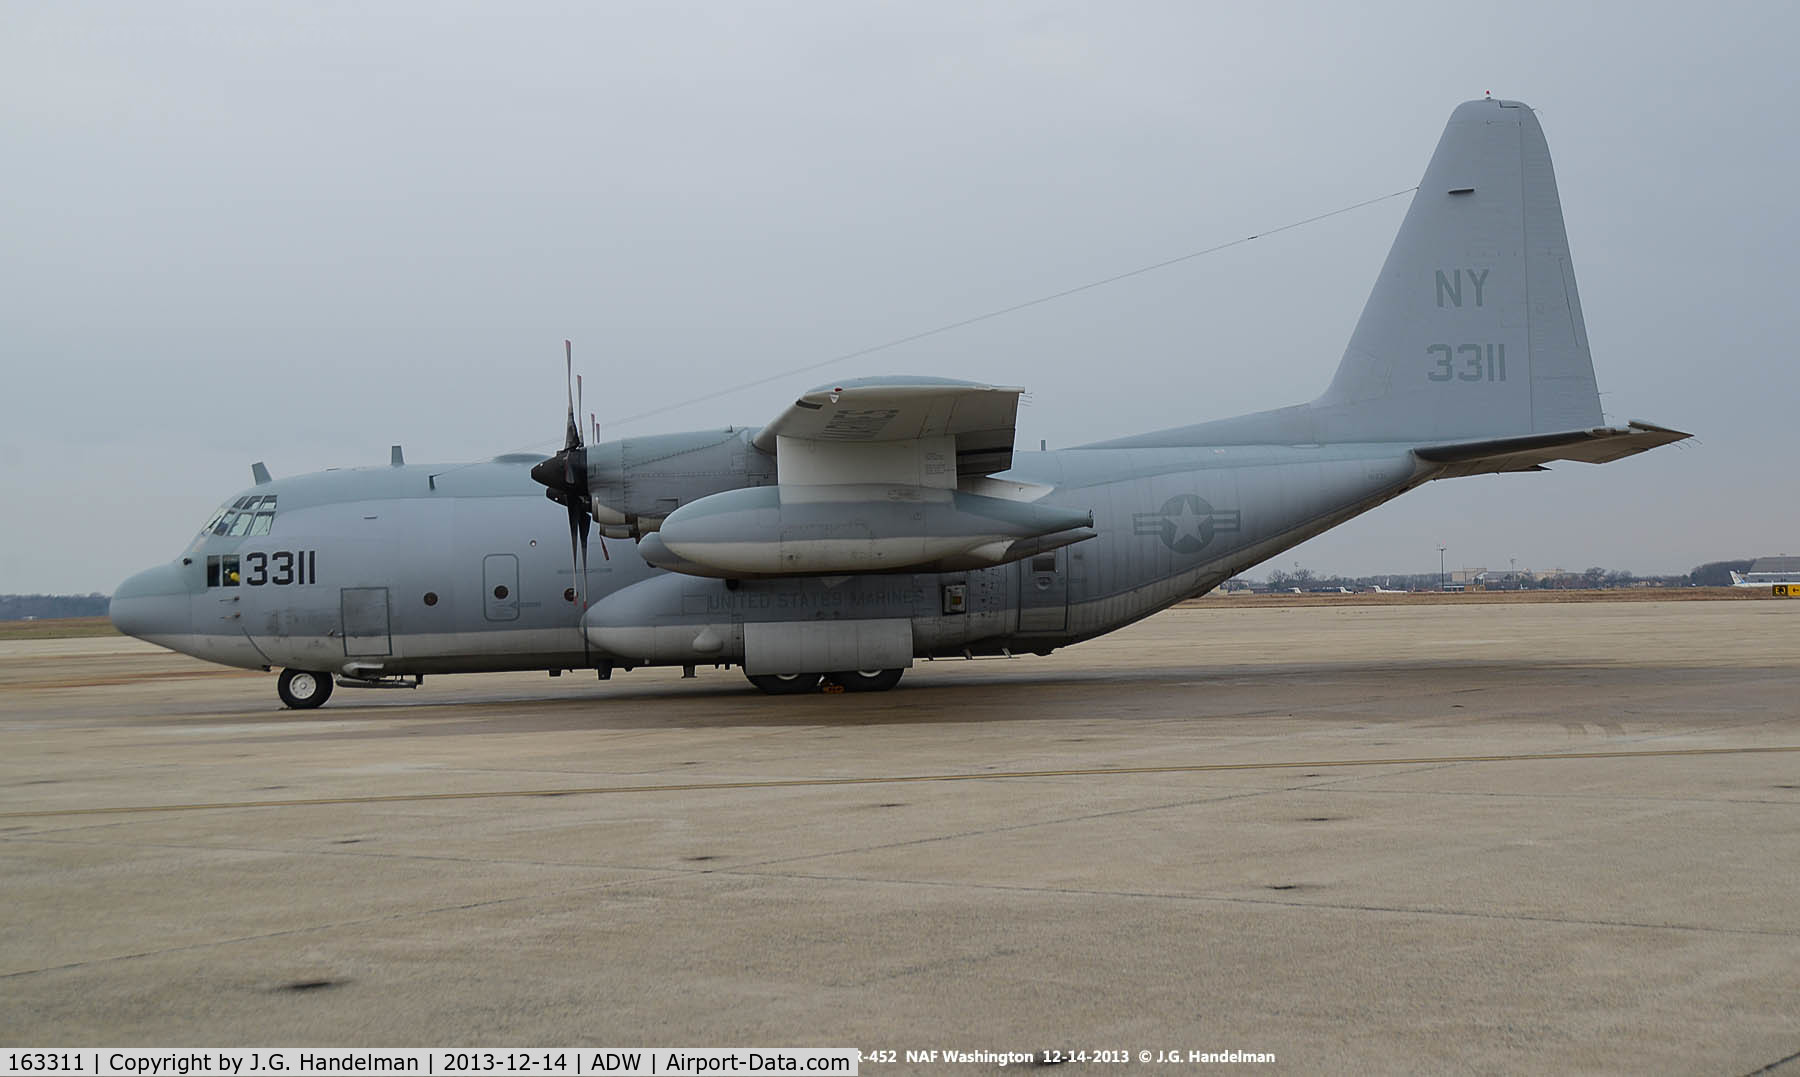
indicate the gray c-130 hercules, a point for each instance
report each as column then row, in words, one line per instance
column 880, row 520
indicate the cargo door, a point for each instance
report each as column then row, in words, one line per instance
column 1044, row 592
column 365, row 621
column 500, row 587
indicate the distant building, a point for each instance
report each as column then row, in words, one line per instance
column 1765, row 571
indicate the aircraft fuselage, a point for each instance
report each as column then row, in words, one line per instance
column 416, row 570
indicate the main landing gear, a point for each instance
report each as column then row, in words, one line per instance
column 302, row 690
column 854, row 680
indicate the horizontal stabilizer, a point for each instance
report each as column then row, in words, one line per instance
column 1529, row 452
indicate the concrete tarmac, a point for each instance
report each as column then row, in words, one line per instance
column 1396, row 839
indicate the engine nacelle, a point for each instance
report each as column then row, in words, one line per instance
column 636, row 482
column 855, row 528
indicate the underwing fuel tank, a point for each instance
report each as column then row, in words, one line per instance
column 852, row 528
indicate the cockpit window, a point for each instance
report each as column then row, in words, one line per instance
column 252, row 514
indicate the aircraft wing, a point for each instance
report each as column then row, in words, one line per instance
column 864, row 430
column 1530, row 452
column 875, row 475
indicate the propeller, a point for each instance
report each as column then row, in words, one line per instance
column 588, row 503
column 565, row 478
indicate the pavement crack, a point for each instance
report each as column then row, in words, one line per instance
column 1775, row 1065
column 338, row 925
column 1402, row 910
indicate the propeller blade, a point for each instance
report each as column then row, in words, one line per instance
column 575, row 515
column 579, row 518
column 572, row 438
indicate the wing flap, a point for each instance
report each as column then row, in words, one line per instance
column 1530, row 452
column 981, row 419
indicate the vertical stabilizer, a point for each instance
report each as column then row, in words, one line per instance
column 1474, row 328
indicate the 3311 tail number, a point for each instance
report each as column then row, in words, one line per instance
column 1467, row 362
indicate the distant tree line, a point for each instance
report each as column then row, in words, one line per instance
column 45, row 607
column 1711, row 574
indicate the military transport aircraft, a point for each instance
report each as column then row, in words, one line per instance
column 884, row 519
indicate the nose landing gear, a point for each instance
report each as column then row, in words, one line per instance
column 302, row 690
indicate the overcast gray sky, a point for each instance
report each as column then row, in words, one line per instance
column 238, row 231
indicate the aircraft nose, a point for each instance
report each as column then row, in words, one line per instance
column 153, row 605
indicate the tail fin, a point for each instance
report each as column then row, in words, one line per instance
column 1473, row 338
column 1474, row 328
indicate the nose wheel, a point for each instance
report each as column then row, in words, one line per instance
column 303, row 690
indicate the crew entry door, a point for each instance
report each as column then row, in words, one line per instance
column 365, row 622
column 1044, row 592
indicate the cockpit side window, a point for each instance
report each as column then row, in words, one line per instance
column 222, row 571
column 250, row 516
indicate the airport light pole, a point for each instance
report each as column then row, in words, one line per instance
column 1442, row 583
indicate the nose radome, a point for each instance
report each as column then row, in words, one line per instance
column 153, row 605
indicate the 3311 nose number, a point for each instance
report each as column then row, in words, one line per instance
column 279, row 568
